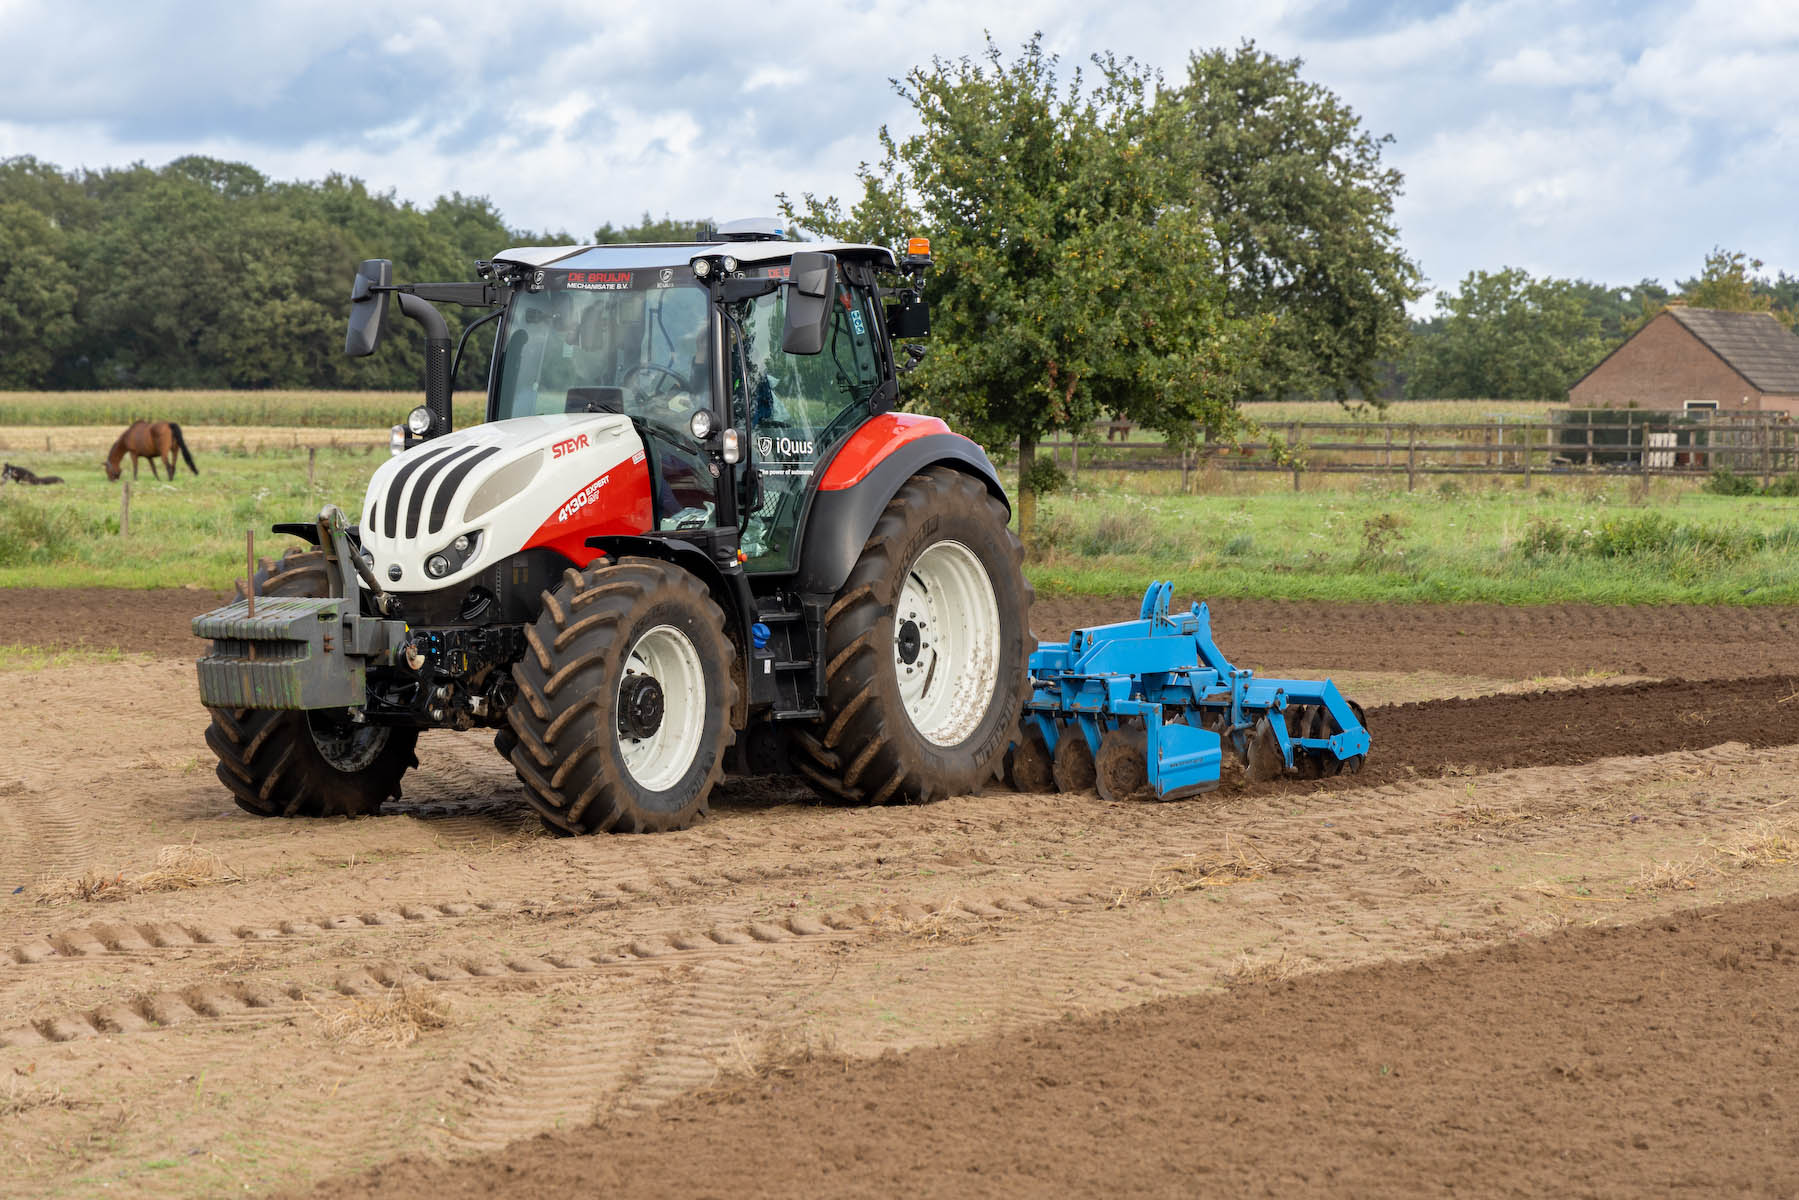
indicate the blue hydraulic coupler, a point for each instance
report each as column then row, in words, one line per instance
column 1148, row 707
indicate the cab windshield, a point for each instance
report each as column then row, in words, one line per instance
column 608, row 341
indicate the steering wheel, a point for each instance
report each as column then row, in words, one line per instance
column 680, row 381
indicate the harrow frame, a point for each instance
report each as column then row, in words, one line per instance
column 1166, row 671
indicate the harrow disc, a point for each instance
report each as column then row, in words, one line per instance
column 1265, row 761
column 1121, row 768
column 1353, row 763
column 1028, row 766
column 1072, row 766
column 1307, row 720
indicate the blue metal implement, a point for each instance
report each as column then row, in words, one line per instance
column 1161, row 681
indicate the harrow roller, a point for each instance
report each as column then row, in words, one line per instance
column 1149, row 707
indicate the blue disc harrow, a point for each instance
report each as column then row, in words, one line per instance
column 1147, row 707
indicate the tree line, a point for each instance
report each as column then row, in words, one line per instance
column 204, row 273
column 1506, row 335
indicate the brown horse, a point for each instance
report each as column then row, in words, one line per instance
column 151, row 440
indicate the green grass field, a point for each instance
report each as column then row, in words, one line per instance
column 379, row 410
column 318, row 410
column 187, row 532
column 1341, row 539
column 1590, row 540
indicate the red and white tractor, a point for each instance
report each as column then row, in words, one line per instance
column 691, row 535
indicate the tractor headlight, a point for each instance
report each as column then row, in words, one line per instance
column 701, row 425
column 396, row 440
column 453, row 557
column 729, row 264
column 419, row 421
column 701, row 268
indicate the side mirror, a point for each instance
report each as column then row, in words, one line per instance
column 910, row 318
column 809, row 302
column 368, row 308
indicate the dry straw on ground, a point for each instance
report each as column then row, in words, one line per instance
column 19, row 1096
column 177, row 868
column 1238, row 862
column 394, row 1018
column 1765, row 846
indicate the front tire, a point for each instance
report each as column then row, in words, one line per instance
column 287, row 763
column 624, row 700
column 927, row 647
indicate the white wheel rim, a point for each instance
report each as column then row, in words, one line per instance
column 658, row 762
column 946, row 637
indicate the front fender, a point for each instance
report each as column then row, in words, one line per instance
column 853, row 492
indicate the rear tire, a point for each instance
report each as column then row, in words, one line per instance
column 940, row 589
column 624, row 700
column 287, row 763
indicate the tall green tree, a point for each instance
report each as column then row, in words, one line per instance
column 1071, row 277
column 651, row 229
column 1506, row 336
column 37, row 296
column 1730, row 280
column 1301, row 207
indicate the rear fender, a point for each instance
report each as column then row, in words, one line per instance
column 851, row 496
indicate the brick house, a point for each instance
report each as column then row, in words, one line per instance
column 1698, row 358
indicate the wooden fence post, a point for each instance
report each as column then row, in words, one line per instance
column 312, row 452
column 1293, row 441
column 125, row 507
column 1411, row 457
column 1767, row 454
column 1527, row 429
column 1183, row 470
column 1074, row 457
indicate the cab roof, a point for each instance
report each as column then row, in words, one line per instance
column 679, row 254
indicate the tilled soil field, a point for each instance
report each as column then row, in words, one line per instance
column 1351, row 983
column 1486, row 640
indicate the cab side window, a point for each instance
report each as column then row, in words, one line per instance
column 800, row 406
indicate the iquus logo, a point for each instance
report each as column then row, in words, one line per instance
column 769, row 447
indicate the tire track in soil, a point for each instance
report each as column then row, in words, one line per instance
column 1377, row 841
column 568, row 1067
column 1084, row 953
column 1106, row 869
column 41, row 837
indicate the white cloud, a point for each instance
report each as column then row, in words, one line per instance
column 1567, row 138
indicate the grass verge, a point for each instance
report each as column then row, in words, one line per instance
column 1581, row 539
column 1572, row 540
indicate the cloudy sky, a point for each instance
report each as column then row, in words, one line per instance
column 1591, row 138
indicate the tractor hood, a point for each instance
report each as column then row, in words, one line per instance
column 465, row 502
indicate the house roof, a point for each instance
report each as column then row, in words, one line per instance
column 1753, row 344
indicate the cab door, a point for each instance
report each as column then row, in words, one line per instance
column 798, row 408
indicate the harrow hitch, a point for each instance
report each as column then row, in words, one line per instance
column 1150, row 706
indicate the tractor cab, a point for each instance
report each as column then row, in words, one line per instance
column 738, row 391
